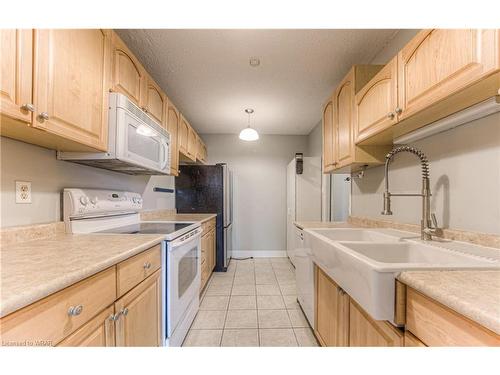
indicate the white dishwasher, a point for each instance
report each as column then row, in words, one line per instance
column 304, row 276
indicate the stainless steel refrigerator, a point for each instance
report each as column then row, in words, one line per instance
column 209, row 189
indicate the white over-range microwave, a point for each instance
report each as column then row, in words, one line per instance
column 136, row 143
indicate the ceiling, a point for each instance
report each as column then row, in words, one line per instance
column 207, row 74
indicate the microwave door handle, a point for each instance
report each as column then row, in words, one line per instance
column 164, row 153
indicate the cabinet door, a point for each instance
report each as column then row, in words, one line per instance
column 154, row 102
column 343, row 125
column 16, row 67
column 173, row 126
column 437, row 63
column 99, row 331
column 328, row 137
column 183, row 135
column 71, row 84
column 192, row 143
column 364, row 331
column 376, row 102
column 127, row 73
column 212, row 251
column 139, row 319
column 328, row 308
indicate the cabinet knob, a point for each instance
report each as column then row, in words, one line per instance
column 43, row 116
column 391, row 115
column 147, row 265
column 124, row 311
column 28, row 107
column 398, row 110
column 75, row 310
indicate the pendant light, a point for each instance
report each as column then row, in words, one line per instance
column 249, row 134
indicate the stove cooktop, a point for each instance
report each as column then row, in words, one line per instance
column 147, row 228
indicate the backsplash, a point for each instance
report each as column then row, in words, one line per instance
column 48, row 176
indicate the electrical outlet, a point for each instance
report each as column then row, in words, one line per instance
column 23, row 192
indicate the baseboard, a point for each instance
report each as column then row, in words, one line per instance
column 259, row 254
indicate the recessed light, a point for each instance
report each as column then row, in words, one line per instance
column 254, row 62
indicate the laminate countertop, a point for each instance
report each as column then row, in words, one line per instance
column 473, row 293
column 32, row 270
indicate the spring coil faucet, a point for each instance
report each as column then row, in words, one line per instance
column 428, row 224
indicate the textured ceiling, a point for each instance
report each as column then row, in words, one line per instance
column 206, row 73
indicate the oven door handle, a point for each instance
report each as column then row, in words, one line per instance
column 186, row 238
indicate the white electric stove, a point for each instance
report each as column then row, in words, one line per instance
column 117, row 212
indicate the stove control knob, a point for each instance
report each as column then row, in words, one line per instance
column 84, row 200
column 94, row 200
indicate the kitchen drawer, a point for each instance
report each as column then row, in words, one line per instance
column 48, row 321
column 132, row 271
column 437, row 325
column 99, row 331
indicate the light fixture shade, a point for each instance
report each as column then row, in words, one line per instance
column 249, row 134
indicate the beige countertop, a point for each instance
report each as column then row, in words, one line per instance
column 32, row 270
column 323, row 224
column 474, row 294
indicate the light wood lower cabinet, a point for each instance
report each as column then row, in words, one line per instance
column 365, row 331
column 437, row 325
column 138, row 321
column 412, row 341
column 339, row 321
column 208, row 252
column 332, row 311
column 99, row 331
column 89, row 314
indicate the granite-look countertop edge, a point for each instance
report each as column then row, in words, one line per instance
column 25, row 292
column 474, row 294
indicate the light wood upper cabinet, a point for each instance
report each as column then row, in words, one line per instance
column 376, row 104
column 173, row 120
column 183, row 135
column 437, row 63
column 332, row 309
column 328, row 137
column 155, row 101
column 16, row 73
column 343, row 121
column 139, row 319
column 365, row 331
column 127, row 74
column 71, row 73
column 99, row 331
column 192, row 143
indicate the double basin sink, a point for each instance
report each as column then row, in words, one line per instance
column 366, row 262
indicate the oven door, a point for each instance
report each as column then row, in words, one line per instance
column 140, row 143
column 183, row 276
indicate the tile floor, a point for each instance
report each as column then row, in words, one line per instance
column 253, row 304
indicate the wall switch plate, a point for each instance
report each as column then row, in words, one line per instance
column 23, row 192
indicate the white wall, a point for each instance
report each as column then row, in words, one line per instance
column 464, row 172
column 259, row 170
column 48, row 176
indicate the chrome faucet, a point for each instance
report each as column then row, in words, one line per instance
column 428, row 226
